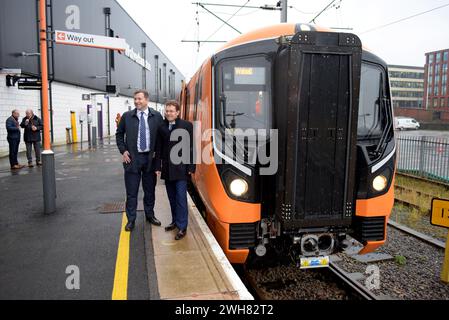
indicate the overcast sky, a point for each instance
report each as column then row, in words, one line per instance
column 167, row 22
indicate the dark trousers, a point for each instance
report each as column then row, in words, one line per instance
column 13, row 151
column 37, row 150
column 132, row 183
column 177, row 195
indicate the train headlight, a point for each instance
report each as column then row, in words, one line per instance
column 380, row 183
column 238, row 187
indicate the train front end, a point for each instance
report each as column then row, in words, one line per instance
column 303, row 127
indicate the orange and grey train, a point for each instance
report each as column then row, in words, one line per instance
column 323, row 102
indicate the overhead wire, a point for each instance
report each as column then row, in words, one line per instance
column 228, row 20
column 404, row 19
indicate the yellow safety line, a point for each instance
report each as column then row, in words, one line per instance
column 120, row 290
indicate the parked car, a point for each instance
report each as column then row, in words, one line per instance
column 406, row 123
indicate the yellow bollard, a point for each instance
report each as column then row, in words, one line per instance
column 445, row 272
column 73, row 123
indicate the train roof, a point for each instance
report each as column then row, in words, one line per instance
column 284, row 29
column 275, row 31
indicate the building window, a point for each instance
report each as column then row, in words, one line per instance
column 436, row 115
column 431, row 58
column 407, row 94
column 441, row 102
column 435, row 102
column 404, row 74
column 160, row 79
column 445, row 55
column 407, row 104
column 407, row 84
column 438, row 57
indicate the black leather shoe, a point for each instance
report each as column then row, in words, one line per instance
column 181, row 234
column 154, row 221
column 129, row 226
column 170, row 227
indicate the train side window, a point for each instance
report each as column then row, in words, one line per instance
column 197, row 96
column 187, row 105
column 371, row 120
column 200, row 95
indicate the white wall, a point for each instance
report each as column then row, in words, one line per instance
column 66, row 98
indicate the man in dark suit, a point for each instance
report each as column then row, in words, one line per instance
column 176, row 168
column 32, row 136
column 13, row 129
column 136, row 139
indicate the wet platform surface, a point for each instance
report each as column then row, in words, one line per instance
column 37, row 251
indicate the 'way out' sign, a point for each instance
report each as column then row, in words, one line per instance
column 90, row 40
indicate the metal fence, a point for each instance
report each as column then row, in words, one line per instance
column 424, row 156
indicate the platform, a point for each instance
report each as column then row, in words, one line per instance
column 38, row 251
column 194, row 267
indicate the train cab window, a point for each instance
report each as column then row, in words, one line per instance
column 244, row 93
column 371, row 120
column 187, row 105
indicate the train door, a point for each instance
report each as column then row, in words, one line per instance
column 318, row 167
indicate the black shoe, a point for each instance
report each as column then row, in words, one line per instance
column 154, row 221
column 129, row 226
column 170, row 227
column 181, row 234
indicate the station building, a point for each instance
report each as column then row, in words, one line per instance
column 89, row 85
column 407, row 90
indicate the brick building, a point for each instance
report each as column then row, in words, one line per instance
column 436, row 85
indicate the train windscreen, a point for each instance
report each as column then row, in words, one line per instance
column 244, row 93
column 371, row 121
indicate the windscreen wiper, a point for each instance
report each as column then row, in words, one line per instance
column 223, row 111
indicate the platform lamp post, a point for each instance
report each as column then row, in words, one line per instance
column 48, row 156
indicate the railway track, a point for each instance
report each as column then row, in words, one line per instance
column 340, row 285
column 421, row 236
column 359, row 289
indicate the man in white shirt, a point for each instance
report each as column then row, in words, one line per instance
column 136, row 138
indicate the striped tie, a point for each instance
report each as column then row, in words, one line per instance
column 143, row 135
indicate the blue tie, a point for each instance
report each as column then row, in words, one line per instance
column 143, row 135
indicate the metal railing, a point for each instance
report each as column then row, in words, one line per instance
column 426, row 157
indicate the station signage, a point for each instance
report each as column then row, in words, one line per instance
column 440, row 217
column 89, row 40
column 101, row 42
column 29, row 84
column 440, row 213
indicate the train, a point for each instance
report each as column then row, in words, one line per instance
column 317, row 105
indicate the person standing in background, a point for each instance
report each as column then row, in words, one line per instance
column 13, row 129
column 117, row 119
column 32, row 136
